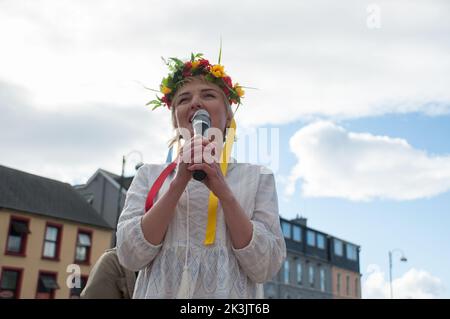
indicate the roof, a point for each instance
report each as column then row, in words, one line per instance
column 126, row 180
column 47, row 197
column 302, row 223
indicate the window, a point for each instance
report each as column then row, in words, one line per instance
column 76, row 292
column 47, row 284
column 338, row 287
column 299, row 273
column 351, row 252
column 52, row 241
column 17, row 236
column 311, row 275
column 286, row 229
column 338, row 247
column 356, row 288
column 347, row 284
column 311, row 238
column 89, row 198
column 286, row 271
column 322, row 279
column 297, row 233
column 10, row 281
column 320, row 241
column 83, row 249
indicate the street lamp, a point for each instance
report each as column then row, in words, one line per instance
column 124, row 159
column 402, row 259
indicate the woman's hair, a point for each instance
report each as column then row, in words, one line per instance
column 191, row 79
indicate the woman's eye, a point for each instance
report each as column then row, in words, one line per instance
column 210, row 95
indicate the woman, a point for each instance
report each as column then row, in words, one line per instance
column 167, row 243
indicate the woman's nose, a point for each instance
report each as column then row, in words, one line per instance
column 196, row 103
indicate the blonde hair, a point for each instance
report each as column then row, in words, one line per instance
column 201, row 78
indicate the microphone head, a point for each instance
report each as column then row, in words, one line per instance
column 201, row 122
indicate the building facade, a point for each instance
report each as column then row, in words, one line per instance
column 314, row 263
column 48, row 234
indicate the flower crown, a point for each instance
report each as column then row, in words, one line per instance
column 197, row 65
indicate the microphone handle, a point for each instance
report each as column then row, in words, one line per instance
column 199, row 175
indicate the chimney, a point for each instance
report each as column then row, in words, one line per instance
column 299, row 220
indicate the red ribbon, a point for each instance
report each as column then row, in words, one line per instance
column 157, row 185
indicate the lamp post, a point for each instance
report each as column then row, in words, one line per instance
column 119, row 197
column 402, row 259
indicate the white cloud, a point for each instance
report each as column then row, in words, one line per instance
column 333, row 162
column 415, row 284
column 307, row 59
column 70, row 146
column 80, row 60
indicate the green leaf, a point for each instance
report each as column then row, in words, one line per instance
column 177, row 61
column 248, row 87
column 153, row 102
column 220, row 51
column 157, row 91
column 198, row 55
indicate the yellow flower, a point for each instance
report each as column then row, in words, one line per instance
column 195, row 64
column 218, row 71
column 240, row 92
column 165, row 89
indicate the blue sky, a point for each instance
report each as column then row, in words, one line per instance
column 420, row 227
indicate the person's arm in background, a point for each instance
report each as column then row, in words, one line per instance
column 107, row 280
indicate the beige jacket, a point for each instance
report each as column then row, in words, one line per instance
column 109, row 280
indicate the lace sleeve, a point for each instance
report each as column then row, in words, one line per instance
column 261, row 259
column 133, row 250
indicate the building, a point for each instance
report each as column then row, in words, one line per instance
column 102, row 192
column 317, row 265
column 46, row 231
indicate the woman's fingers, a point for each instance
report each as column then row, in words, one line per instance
column 196, row 152
column 201, row 166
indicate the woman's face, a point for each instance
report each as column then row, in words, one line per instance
column 198, row 95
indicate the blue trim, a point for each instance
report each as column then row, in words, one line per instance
column 169, row 155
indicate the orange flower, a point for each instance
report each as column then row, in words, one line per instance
column 240, row 92
column 218, row 71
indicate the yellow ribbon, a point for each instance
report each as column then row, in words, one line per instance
column 210, row 235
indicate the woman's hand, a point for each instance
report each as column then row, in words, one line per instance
column 192, row 149
column 210, row 164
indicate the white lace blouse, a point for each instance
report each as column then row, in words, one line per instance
column 214, row 271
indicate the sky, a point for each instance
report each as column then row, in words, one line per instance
column 354, row 96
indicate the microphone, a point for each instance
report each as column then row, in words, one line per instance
column 201, row 123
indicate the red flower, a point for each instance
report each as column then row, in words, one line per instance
column 188, row 65
column 228, row 81
column 226, row 90
column 187, row 73
column 166, row 100
column 204, row 64
column 187, row 69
